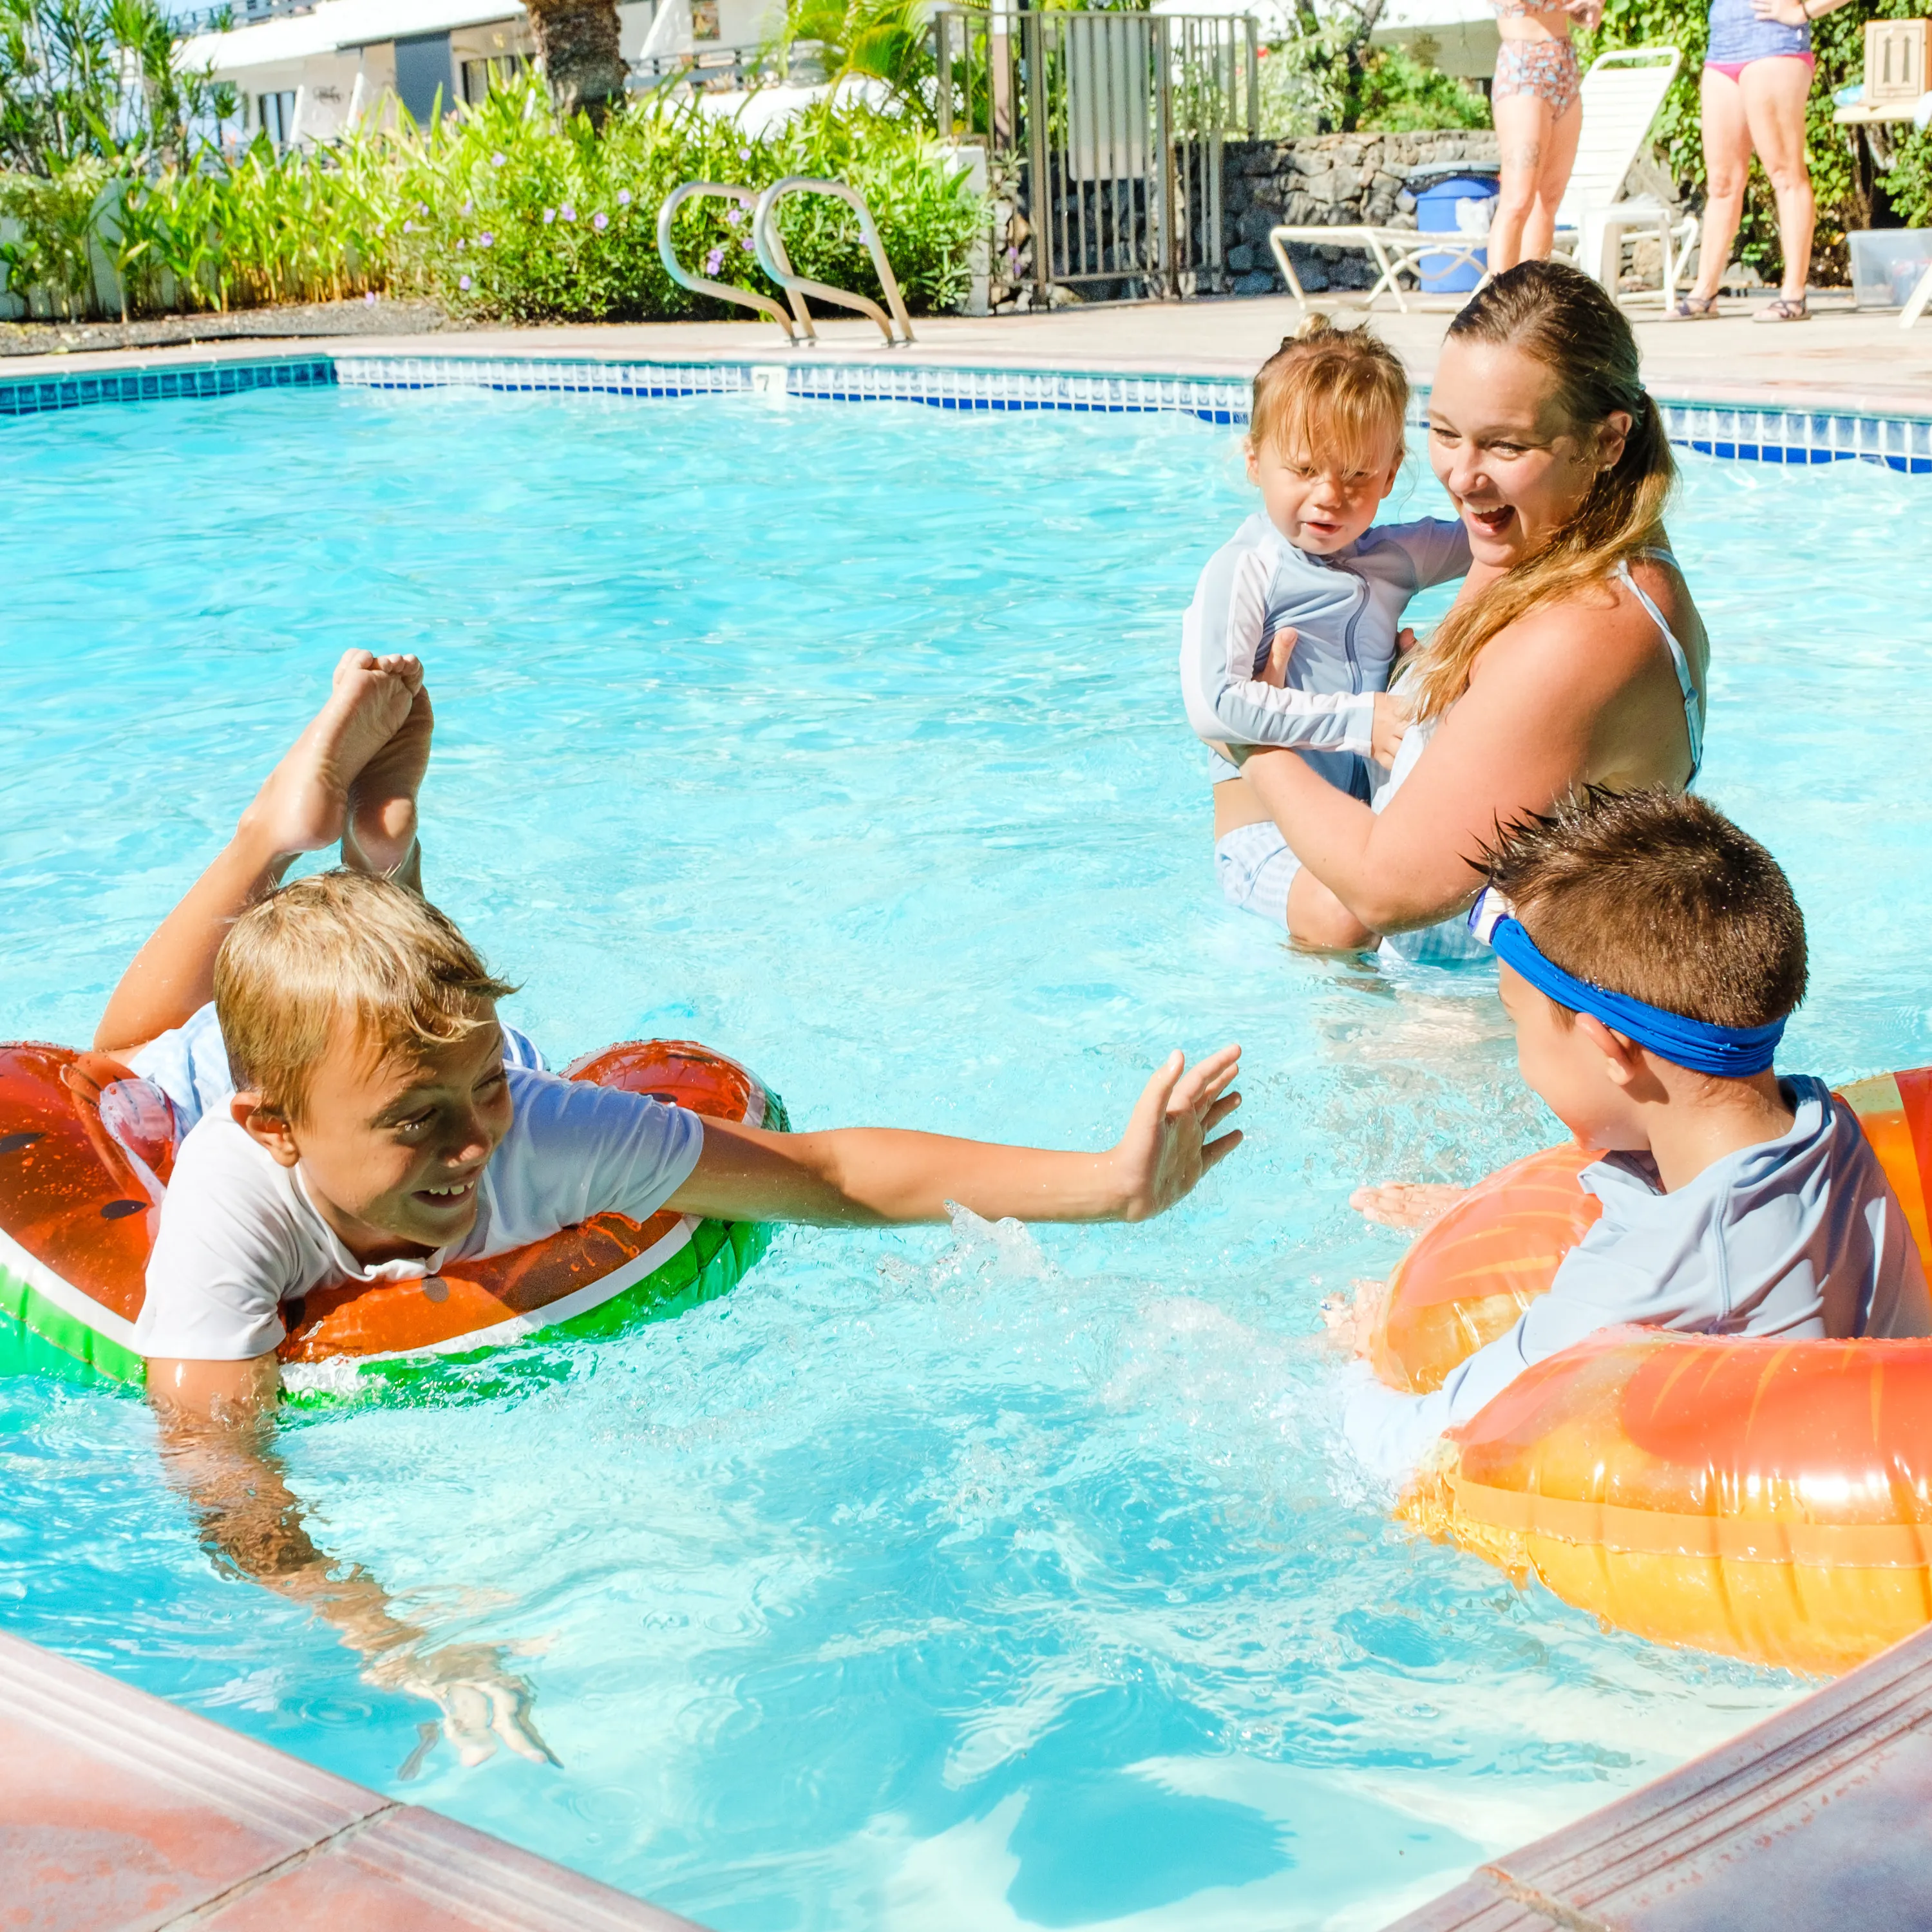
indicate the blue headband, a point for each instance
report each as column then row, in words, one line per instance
column 1731, row 1051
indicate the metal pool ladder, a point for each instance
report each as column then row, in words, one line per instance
column 769, row 247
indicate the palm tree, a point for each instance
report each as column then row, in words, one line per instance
column 577, row 41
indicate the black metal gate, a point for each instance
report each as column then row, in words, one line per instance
column 1117, row 121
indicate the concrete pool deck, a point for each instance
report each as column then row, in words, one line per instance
column 119, row 1812
column 1843, row 360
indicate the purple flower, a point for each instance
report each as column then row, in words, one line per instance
column 422, row 207
column 467, row 206
column 485, row 239
column 714, row 261
column 371, row 298
column 569, row 213
column 744, row 153
column 497, row 161
column 464, row 284
column 409, row 228
column 623, row 197
column 734, row 216
column 460, row 243
column 549, row 215
column 600, row 220
column 750, row 247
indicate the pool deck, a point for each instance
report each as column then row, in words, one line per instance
column 119, row 1812
column 1843, row 360
column 1815, row 1818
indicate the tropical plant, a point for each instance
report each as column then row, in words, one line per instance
column 508, row 211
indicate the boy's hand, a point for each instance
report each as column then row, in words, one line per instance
column 1407, row 1205
column 1165, row 1149
column 1404, row 640
column 1281, row 648
column 480, row 1700
column 1350, row 1321
column 1391, row 723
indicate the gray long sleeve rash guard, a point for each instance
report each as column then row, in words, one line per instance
column 1344, row 611
column 1801, row 1237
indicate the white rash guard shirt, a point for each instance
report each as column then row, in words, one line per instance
column 239, row 1236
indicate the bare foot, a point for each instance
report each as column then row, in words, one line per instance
column 304, row 806
column 1405, row 1204
column 381, row 830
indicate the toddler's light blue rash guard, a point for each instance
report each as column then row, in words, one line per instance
column 1800, row 1237
column 1345, row 609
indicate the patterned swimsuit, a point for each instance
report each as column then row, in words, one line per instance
column 1545, row 68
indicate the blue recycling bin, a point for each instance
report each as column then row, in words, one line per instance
column 1435, row 214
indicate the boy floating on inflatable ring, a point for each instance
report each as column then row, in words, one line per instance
column 373, row 1084
column 1649, row 954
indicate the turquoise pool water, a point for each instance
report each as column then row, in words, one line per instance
column 969, row 1579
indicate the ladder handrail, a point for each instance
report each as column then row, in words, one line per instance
column 723, row 291
column 777, row 264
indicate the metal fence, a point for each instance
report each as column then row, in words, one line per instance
column 1117, row 121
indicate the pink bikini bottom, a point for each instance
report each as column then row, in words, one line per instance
column 1730, row 69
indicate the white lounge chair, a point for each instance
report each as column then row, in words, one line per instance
column 1622, row 93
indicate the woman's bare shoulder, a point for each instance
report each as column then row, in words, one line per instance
column 1596, row 637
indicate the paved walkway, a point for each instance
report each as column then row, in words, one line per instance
column 1842, row 360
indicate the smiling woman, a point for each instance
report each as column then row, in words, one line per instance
column 1573, row 655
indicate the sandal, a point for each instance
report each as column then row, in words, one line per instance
column 1783, row 310
column 1692, row 308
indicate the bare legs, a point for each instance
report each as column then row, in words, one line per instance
column 1538, row 149
column 353, row 775
column 1762, row 110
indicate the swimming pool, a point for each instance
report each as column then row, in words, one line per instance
column 929, row 1581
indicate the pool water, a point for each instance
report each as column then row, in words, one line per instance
column 950, row 1579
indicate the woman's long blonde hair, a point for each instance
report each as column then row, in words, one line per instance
column 1557, row 316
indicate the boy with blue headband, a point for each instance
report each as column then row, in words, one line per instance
column 1648, row 954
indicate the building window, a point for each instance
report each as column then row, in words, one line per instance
column 275, row 116
column 480, row 76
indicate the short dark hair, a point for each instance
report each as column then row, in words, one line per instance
column 1656, row 894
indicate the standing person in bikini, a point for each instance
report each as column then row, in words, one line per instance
column 1535, row 102
column 1756, row 79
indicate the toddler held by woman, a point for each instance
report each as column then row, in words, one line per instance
column 1312, row 583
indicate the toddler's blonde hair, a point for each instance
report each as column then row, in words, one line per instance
column 342, row 946
column 1331, row 393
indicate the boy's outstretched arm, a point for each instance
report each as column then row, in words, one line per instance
column 872, row 1175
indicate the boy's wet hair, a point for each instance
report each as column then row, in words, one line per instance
column 1335, row 395
column 1657, row 895
column 343, row 946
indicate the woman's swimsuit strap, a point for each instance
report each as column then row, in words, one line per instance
column 1693, row 707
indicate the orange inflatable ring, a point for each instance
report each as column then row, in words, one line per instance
column 1766, row 1500
column 86, row 1151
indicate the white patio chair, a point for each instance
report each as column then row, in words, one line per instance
column 1623, row 93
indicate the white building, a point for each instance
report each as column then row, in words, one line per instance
column 304, row 76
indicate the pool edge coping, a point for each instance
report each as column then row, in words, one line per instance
column 1709, row 1828
column 229, row 1819
column 1803, row 426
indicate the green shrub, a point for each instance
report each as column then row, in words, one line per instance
column 505, row 213
column 1401, row 95
column 56, row 218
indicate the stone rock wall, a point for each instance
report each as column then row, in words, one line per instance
column 1327, row 180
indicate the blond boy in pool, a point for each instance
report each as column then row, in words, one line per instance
column 380, row 1119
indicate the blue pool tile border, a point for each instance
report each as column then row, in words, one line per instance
column 35, row 395
column 1746, row 434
